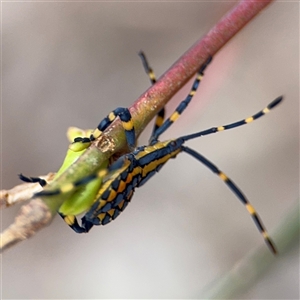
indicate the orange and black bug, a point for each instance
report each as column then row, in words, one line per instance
column 132, row 170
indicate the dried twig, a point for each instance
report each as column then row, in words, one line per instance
column 21, row 192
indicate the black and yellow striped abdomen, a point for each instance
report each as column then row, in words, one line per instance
column 136, row 168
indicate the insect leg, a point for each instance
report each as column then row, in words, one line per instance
column 41, row 181
column 161, row 114
column 261, row 113
column 125, row 116
column 73, row 223
column 251, row 210
column 72, row 186
column 70, row 220
column 182, row 106
column 147, row 67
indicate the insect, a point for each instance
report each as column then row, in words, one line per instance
column 132, row 170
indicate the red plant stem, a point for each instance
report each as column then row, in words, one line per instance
column 145, row 108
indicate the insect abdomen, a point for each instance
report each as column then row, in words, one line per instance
column 118, row 190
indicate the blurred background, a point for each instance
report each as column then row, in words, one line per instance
column 69, row 64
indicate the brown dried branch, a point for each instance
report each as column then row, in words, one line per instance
column 31, row 218
column 21, row 192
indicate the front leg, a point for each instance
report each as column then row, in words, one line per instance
column 39, row 180
column 81, row 143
